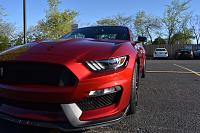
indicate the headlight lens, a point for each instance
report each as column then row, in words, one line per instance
column 107, row 65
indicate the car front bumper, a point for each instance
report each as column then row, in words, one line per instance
column 16, row 102
column 72, row 125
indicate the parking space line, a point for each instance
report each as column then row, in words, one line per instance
column 196, row 73
column 179, row 72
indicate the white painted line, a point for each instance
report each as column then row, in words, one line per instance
column 196, row 73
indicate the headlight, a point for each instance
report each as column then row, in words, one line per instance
column 107, row 65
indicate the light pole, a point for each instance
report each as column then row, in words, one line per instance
column 24, row 19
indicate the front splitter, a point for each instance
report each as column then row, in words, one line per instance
column 66, row 127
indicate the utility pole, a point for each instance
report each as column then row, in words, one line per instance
column 24, row 19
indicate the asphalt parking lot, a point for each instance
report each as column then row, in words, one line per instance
column 169, row 102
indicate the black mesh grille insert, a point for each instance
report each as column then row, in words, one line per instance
column 91, row 103
column 36, row 107
column 36, row 73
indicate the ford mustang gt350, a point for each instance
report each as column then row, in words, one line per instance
column 86, row 78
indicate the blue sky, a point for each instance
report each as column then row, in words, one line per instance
column 89, row 10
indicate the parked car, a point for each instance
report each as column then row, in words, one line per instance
column 160, row 53
column 184, row 54
column 197, row 54
column 87, row 78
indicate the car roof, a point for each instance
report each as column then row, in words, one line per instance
column 104, row 26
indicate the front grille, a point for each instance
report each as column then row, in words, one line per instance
column 47, row 107
column 96, row 102
column 36, row 107
column 36, row 73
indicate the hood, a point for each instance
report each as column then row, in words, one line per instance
column 81, row 49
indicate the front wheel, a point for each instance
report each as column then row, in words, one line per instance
column 134, row 88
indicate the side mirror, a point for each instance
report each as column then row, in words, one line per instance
column 142, row 39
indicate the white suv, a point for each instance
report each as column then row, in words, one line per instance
column 160, row 53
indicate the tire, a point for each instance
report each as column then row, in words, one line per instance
column 144, row 70
column 134, row 94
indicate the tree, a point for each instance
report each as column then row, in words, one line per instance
column 4, row 42
column 33, row 34
column 2, row 14
column 106, row 22
column 159, row 41
column 195, row 27
column 56, row 23
column 146, row 25
column 115, row 21
column 182, row 38
column 6, row 31
column 174, row 16
column 184, row 28
column 151, row 24
column 18, row 40
column 53, row 6
column 139, row 23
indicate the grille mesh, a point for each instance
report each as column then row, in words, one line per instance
column 36, row 73
column 91, row 103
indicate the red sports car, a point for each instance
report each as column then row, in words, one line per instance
column 87, row 78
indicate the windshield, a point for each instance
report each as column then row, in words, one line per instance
column 100, row 32
column 161, row 49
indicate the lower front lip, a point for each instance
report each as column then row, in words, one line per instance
column 66, row 127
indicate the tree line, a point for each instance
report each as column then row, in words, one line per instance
column 176, row 26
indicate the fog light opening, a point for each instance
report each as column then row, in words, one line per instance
column 105, row 91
